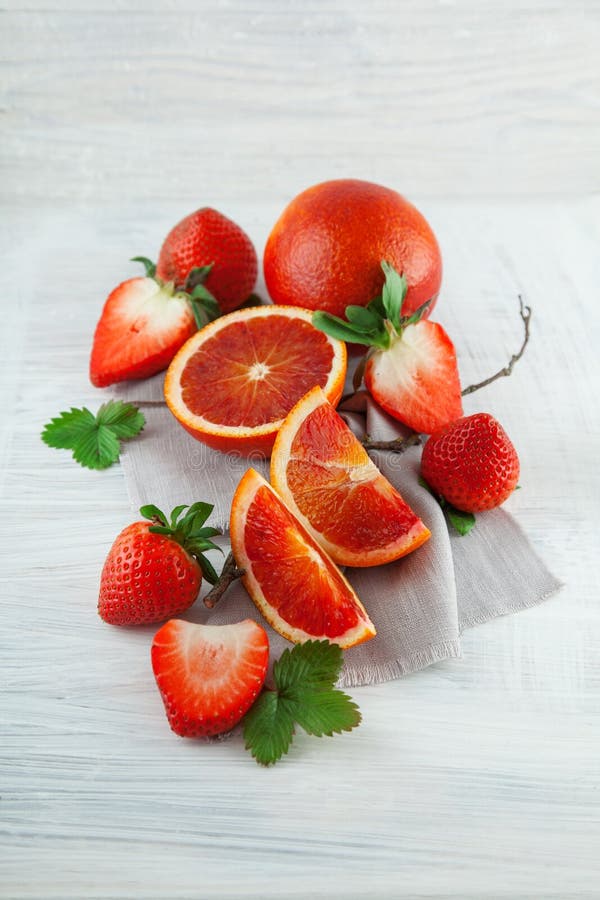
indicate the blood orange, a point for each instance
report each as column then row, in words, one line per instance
column 292, row 581
column 324, row 474
column 325, row 250
column 234, row 381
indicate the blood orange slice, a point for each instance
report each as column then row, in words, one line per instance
column 234, row 381
column 294, row 584
column 324, row 474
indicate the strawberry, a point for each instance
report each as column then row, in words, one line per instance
column 471, row 463
column 411, row 368
column 154, row 569
column 208, row 238
column 142, row 326
column 209, row 675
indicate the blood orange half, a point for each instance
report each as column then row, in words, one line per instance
column 234, row 381
column 324, row 474
column 294, row 584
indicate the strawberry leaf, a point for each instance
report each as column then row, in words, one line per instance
column 304, row 695
column 461, row 521
column 153, row 512
column 204, row 306
column 123, row 419
column 348, row 331
column 197, row 276
column 94, row 440
column 366, row 319
column 147, row 264
column 207, row 569
column 268, row 728
column 393, row 293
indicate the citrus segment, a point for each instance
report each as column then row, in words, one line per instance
column 326, row 477
column 297, row 588
column 232, row 384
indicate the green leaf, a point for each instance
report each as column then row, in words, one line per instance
column 161, row 529
column 147, row 263
column 153, row 512
column 64, row 431
column 208, row 569
column 94, row 440
column 393, row 293
column 197, row 276
column 208, row 532
column 314, row 665
column 199, row 512
column 97, row 448
column 463, row 522
column 268, row 728
column 376, row 306
column 305, row 695
column 176, row 512
column 124, row 420
column 417, row 315
column 204, row 306
column 366, row 319
column 326, row 713
column 345, row 331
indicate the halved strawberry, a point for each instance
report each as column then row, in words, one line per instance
column 143, row 324
column 411, row 367
column 209, row 675
column 416, row 379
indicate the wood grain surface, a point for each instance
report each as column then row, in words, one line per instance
column 477, row 778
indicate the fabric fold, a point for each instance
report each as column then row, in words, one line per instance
column 419, row 604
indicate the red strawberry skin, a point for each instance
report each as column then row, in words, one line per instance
column 204, row 237
column 471, row 463
column 142, row 326
column 416, row 379
column 209, row 675
column 146, row 578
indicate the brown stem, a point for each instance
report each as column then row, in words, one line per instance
column 229, row 574
column 398, row 445
column 525, row 313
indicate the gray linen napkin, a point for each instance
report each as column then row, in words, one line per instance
column 419, row 604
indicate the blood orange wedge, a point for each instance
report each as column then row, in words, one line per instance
column 234, row 381
column 292, row 581
column 324, row 474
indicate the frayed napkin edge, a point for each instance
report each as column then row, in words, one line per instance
column 511, row 609
column 394, row 669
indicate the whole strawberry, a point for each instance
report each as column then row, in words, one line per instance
column 471, row 463
column 208, row 238
column 209, row 675
column 154, row 569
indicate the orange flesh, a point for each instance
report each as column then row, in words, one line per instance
column 296, row 579
column 359, row 515
column 252, row 373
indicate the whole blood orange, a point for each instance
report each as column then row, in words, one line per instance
column 292, row 581
column 234, row 381
column 324, row 474
column 325, row 250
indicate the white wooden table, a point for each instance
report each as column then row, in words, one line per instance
column 476, row 778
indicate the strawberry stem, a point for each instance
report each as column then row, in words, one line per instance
column 399, row 445
column 229, row 574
